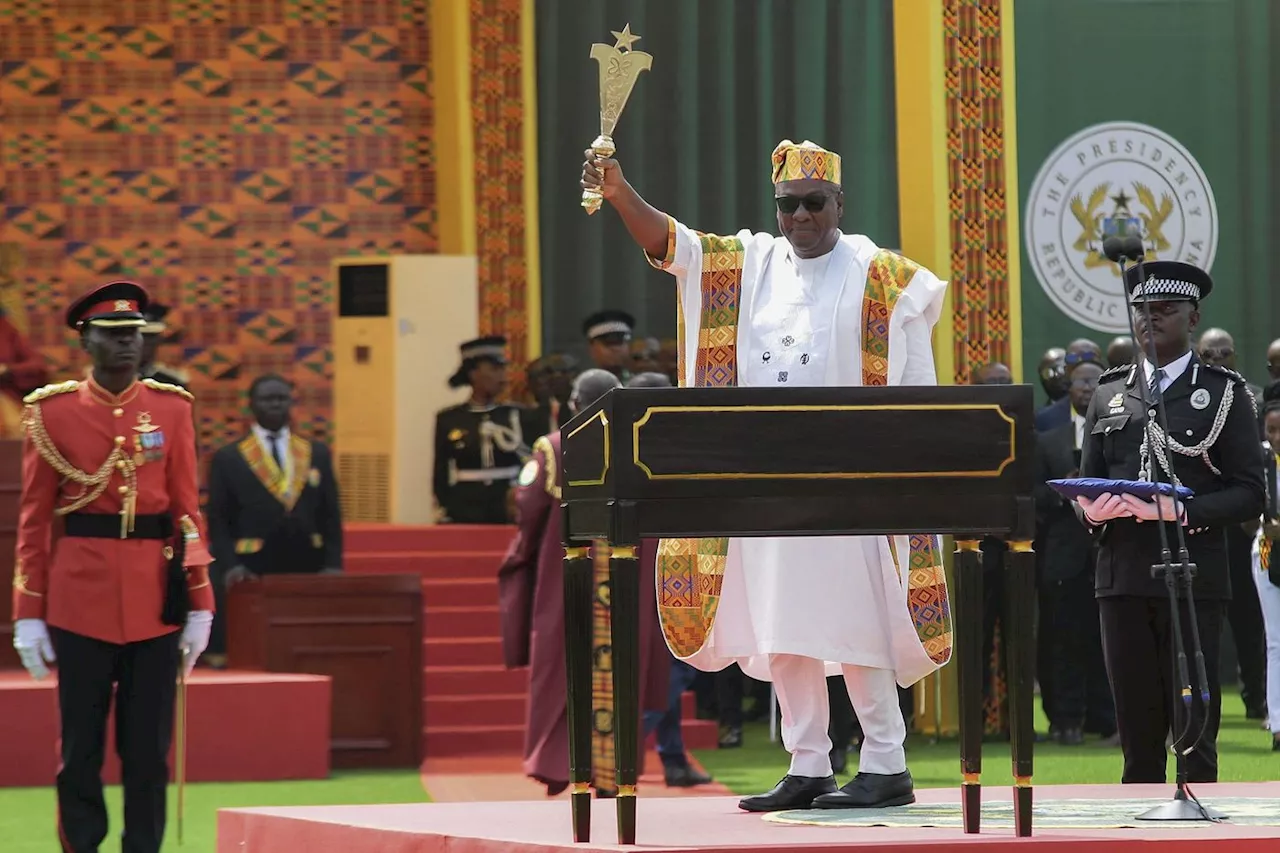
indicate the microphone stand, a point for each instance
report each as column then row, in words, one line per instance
column 1184, row 805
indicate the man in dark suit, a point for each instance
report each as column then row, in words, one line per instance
column 1070, row 641
column 1081, row 351
column 1244, row 614
column 1212, row 448
column 273, row 501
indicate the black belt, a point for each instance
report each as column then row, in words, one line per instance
column 97, row 525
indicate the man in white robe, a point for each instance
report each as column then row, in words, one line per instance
column 814, row 307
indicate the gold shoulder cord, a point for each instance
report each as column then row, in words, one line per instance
column 94, row 484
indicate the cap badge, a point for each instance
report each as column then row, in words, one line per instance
column 122, row 305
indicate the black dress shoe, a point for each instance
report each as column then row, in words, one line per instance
column 871, row 791
column 1071, row 737
column 684, row 776
column 1255, row 711
column 793, row 792
column 730, row 737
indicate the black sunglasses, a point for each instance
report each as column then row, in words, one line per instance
column 1073, row 358
column 789, row 204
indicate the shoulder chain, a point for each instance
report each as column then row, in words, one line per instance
column 92, row 485
column 1161, row 441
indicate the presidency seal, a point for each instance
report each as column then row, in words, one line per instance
column 1117, row 178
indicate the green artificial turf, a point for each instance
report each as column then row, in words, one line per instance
column 27, row 814
column 1244, row 753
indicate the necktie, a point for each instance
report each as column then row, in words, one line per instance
column 1156, row 378
column 273, row 439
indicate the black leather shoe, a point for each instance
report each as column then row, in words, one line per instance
column 793, row 792
column 730, row 737
column 684, row 776
column 1071, row 737
column 870, row 791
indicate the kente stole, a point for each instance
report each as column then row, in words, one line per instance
column 264, row 468
column 691, row 571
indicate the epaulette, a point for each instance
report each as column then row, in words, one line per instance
column 1217, row 368
column 543, row 445
column 1116, row 372
column 172, row 389
column 51, row 390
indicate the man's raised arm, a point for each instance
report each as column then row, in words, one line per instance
column 648, row 226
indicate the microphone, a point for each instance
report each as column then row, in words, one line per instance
column 1128, row 248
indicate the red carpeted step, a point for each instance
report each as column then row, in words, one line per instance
column 460, row 592
column 462, row 651
column 462, row 622
column 445, row 741
column 364, row 538
column 495, row 710
column 443, row 565
column 473, row 681
column 700, row 734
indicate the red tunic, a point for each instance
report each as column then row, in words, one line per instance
column 538, row 548
column 142, row 445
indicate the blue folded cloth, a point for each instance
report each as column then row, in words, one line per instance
column 1091, row 487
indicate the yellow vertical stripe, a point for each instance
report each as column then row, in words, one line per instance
column 1013, row 220
column 922, row 147
column 529, row 134
column 454, row 149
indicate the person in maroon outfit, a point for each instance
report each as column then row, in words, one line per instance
column 531, row 584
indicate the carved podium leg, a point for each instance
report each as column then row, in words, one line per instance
column 970, row 672
column 624, row 580
column 578, row 578
column 1019, row 604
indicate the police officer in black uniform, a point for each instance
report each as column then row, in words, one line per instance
column 1212, row 447
column 480, row 444
column 608, row 335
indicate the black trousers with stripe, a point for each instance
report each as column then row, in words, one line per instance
column 143, row 678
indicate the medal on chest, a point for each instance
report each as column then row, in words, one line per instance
column 148, row 440
column 1200, row 399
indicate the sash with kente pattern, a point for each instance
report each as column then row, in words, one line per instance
column 285, row 489
column 691, row 571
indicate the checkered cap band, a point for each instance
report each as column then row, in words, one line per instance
column 484, row 351
column 612, row 327
column 1155, row 288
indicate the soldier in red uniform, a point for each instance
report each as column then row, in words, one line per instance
column 123, row 597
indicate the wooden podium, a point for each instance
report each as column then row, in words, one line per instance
column 10, row 495
column 364, row 632
column 732, row 462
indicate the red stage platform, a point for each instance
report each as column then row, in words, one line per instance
column 716, row 823
column 241, row 727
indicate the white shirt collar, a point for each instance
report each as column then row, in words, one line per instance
column 1172, row 370
column 264, row 434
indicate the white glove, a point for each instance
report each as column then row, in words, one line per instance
column 195, row 637
column 31, row 639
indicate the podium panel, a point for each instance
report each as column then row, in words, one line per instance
column 364, row 632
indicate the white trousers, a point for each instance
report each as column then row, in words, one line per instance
column 1269, row 598
column 801, row 684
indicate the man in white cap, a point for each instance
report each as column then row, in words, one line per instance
column 814, row 307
